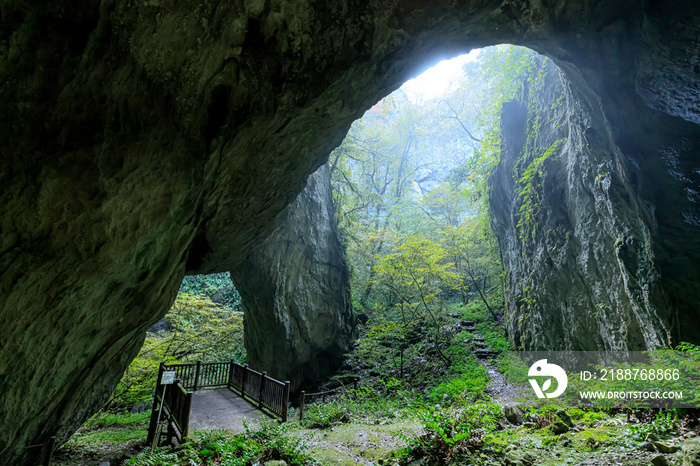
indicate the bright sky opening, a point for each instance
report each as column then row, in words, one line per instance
column 436, row 80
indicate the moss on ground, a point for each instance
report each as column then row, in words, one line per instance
column 356, row 442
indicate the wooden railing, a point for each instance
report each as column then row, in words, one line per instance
column 266, row 393
column 171, row 405
column 342, row 389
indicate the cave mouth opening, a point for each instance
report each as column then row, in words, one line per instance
column 411, row 184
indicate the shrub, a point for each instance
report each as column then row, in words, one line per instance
column 452, row 431
column 221, row 448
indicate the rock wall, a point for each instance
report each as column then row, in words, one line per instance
column 295, row 291
column 143, row 140
column 576, row 248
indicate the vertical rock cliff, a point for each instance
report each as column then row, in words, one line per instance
column 295, row 291
column 575, row 232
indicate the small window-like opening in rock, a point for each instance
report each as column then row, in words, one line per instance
column 205, row 323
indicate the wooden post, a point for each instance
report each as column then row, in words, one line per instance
column 171, row 432
column 153, row 425
column 262, row 386
column 49, row 452
column 230, row 374
column 196, row 376
column 285, row 400
column 301, row 405
column 186, row 414
column 245, row 376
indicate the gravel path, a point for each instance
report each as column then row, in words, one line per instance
column 222, row 409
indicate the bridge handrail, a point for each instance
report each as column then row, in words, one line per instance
column 268, row 394
column 176, row 403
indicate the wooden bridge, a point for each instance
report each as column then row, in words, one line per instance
column 172, row 403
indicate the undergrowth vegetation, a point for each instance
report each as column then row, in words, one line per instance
column 220, row 447
column 195, row 328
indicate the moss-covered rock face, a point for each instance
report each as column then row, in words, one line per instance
column 576, row 246
column 143, row 140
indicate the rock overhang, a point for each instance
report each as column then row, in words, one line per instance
column 121, row 160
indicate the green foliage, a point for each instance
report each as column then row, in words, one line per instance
column 586, row 417
column 199, row 329
column 663, row 424
column 158, row 458
column 220, row 447
column 101, row 420
column 469, row 385
column 203, row 330
column 452, row 431
column 382, row 347
column 135, row 389
column 326, row 414
column 374, row 401
column 107, row 430
column 217, row 287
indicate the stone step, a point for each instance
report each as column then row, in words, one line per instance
column 485, row 354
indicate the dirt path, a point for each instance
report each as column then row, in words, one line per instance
column 222, row 409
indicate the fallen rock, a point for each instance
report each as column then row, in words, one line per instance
column 514, row 457
column 660, row 460
column 558, row 427
column 662, row 447
column 565, row 439
column 514, row 413
column 565, row 418
column 647, row 446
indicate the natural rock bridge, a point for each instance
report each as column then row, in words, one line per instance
column 145, row 140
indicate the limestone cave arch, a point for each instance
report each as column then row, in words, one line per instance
column 145, row 140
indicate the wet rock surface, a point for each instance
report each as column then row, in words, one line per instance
column 144, row 140
column 578, row 242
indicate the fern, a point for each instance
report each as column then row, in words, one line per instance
column 158, row 458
